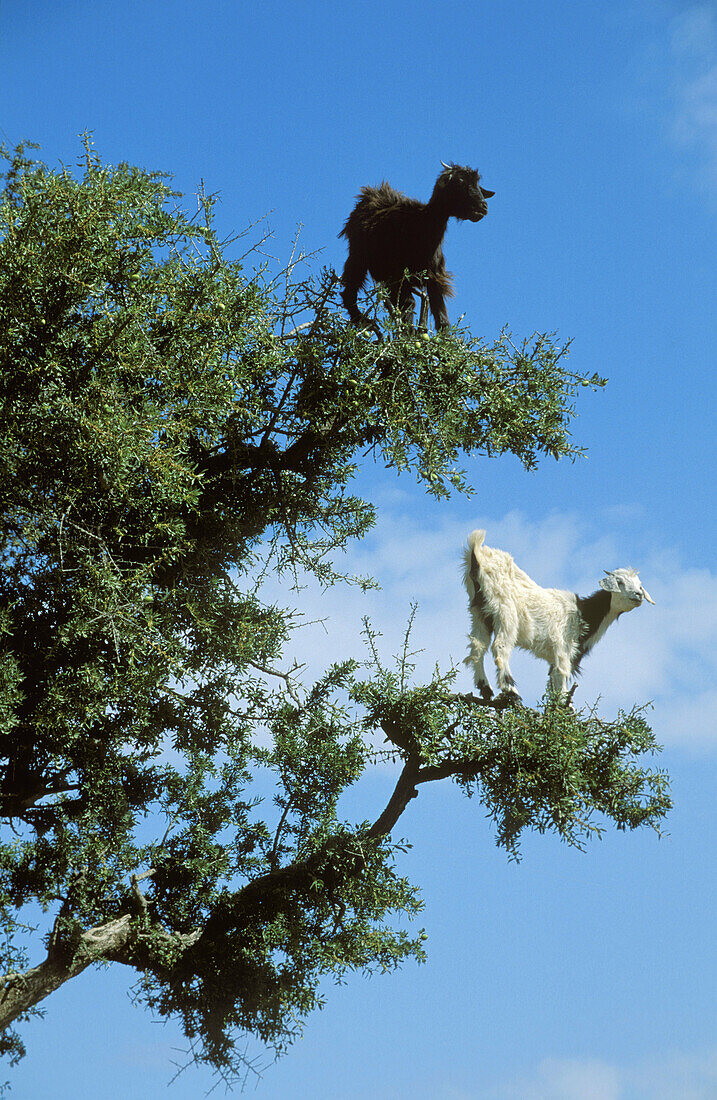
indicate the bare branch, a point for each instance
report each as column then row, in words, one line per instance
column 140, row 900
column 285, row 676
column 274, row 857
column 404, row 791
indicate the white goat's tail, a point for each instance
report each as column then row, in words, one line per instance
column 472, row 564
column 476, row 540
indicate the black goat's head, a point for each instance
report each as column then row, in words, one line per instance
column 458, row 189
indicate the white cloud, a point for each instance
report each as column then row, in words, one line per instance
column 666, row 653
column 694, row 52
column 689, row 1077
column 667, row 1077
column 694, row 33
column 689, row 722
column 563, row 1079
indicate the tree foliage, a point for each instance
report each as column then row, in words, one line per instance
column 174, row 428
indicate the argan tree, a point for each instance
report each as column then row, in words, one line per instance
column 173, row 430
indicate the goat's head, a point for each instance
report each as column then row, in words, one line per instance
column 625, row 587
column 459, row 189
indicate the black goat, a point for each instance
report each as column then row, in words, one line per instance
column 390, row 234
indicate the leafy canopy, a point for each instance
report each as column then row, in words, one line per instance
column 173, row 429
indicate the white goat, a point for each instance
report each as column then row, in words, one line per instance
column 557, row 626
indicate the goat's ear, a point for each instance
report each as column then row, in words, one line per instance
column 487, row 194
column 610, row 582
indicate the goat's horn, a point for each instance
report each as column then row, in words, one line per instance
column 444, row 164
column 647, row 596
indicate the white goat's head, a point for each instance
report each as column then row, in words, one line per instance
column 625, row 587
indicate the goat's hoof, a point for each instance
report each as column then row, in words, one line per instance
column 507, row 699
column 486, row 692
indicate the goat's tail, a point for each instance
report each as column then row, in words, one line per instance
column 471, row 576
column 476, row 540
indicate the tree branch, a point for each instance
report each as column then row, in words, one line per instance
column 123, row 940
column 404, row 791
column 19, row 992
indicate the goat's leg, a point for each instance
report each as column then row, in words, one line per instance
column 479, row 643
column 501, row 649
column 402, row 298
column 560, row 673
column 353, row 278
column 423, row 318
column 437, row 303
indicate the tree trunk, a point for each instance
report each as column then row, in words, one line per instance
column 113, row 940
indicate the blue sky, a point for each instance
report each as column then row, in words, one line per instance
column 569, row 976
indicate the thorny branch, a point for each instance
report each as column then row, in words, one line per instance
column 414, row 773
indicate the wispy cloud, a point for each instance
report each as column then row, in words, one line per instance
column 666, row 653
column 563, row 1079
column 694, row 52
column 689, row 1077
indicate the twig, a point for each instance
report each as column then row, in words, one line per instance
column 280, row 828
column 285, row 676
column 307, row 324
column 140, row 900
